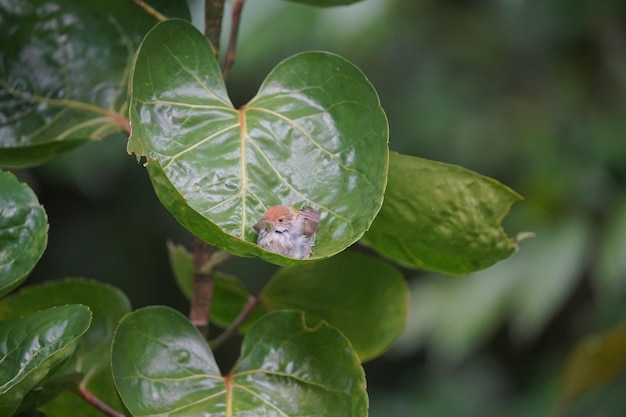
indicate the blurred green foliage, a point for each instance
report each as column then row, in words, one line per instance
column 530, row 93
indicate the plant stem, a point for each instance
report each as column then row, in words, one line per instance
column 96, row 402
column 234, row 326
column 229, row 59
column 213, row 15
column 205, row 264
column 202, row 286
column 149, row 9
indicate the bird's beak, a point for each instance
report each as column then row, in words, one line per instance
column 263, row 223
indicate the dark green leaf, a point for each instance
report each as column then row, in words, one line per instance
column 23, row 232
column 108, row 305
column 64, row 72
column 441, row 217
column 229, row 298
column 595, row 361
column 53, row 387
column 363, row 297
column 301, row 369
column 162, row 365
column 181, row 262
column 33, row 348
column 314, row 134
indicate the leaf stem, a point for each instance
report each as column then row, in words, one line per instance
column 149, row 9
column 213, row 16
column 96, row 402
column 229, row 59
column 234, row 326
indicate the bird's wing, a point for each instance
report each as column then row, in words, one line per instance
column 311, row 220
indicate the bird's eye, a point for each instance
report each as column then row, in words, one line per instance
column 280, row 220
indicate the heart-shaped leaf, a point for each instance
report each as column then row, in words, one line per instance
column 162, row 366
column 441, row 217
column 64, row 71
column 23, row 232
column 33, row 347
column 314, row 134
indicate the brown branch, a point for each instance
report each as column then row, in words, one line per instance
column 205, row 263
column 97, row 403
column 247, row 309
column 149, row 9
column 202, row 286
column 229, row 59
column 213, row 15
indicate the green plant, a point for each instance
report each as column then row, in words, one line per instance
column 314, row 134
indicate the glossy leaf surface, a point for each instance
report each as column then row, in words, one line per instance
column 23, row 231
column 33, row 347
column 64, row 73
column 441, row 217
column 314, row 134
column 363, row 297
column 162, row 365
column 108, row 305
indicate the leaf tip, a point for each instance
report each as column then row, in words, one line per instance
column 521, row 237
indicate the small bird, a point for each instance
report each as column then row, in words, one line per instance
column 288, row 231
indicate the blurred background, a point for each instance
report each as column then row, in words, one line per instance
column 531, row 93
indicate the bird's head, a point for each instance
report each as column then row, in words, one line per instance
column 277, row 219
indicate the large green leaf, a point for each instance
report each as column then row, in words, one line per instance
column 162, row 366
column 441, row 217
column 108, row 305
column 314, row 134
column 363, row 297
column 32, row 348
column 23, row 231
column 64, row 72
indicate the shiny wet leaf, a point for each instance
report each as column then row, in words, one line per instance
column 64, row 73
column 314, row 134
column 33, row 348
column 162, row 365
column 23, row 231
column 107, row 303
